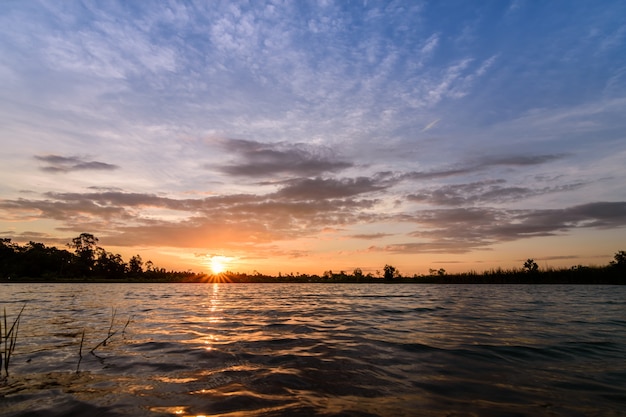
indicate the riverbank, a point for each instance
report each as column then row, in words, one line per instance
column 578, row 276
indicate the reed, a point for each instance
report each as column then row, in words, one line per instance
column 8, row 340
column 126, row 325
column 110, row 333
column 80, row 351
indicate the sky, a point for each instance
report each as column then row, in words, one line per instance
column 306, row 136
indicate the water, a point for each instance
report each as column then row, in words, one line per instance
column 316, row 350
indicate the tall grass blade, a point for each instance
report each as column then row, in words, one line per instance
column 10, row 339
column 126, row 325
column 80, row 351
column 110, row 333
column 1, row 337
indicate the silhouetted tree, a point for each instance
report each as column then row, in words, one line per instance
column 619, row 260
column 108, row 264
column 390, row 272
column 531, row 266
column 8, row 257
column 436, row 272
column 36, row 260
column 135, row 265
column 85, row 249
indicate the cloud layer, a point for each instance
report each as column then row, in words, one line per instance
column 321, row 130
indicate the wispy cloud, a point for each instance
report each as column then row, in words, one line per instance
column 467, row 229
column 63, row 164
column 484, row 192
column 431, row 125
column 481, row 164
column 254, row 159
column 320, row 189
column 370, row 236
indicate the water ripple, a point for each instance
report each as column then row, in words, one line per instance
column 317, row 350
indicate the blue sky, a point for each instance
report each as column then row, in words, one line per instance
column 306, row 136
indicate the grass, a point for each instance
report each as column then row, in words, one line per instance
column 110, row 334
column 8, row 340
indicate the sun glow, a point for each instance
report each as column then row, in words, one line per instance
column 218, row 265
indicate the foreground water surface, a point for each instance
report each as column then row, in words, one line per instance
column 316, row 350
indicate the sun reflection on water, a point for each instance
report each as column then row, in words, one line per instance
column 177, row 411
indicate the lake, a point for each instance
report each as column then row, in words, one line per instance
column 243, row 350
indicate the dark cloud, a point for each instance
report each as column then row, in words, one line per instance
column 61, row 164
column 599, row 215
column 30, row 236
column 218, row 220
column 370, row 236
column 489, row 191
column 248, row 219
column 308, row 204
column 518, row 160
column 121, row 199
column 255, row 159
column 462, row 230
column 318, row 188
column 480, row 165
column 432, row 175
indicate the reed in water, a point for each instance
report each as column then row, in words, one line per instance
column 8, row 340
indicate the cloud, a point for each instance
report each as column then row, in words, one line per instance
column 259, row 159
column 431, row 125
column 462, row 230
column 370, row 236
column 219, row 221
column 63, row 164
column 318, row 188
column 304, row 207
column 488, row 191
column 518, row 160
column 481, row 164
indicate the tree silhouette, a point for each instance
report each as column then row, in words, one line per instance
column 531, row 266
column 619, row 260
column 108, row 264
column 390, row 272
column 135, row 265
column 85, row 249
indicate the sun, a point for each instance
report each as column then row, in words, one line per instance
column 218, row 265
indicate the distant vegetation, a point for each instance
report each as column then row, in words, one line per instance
column 86, row 261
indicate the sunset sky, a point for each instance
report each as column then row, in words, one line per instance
column 304, row 136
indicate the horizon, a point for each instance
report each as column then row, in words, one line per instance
column 218, row 268
column 278, row 138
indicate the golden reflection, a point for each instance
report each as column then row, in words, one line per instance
column 214, row 315
column 176, row 380
column 221, row 278
column 177, row 411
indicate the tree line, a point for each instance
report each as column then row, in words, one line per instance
column 84, row 260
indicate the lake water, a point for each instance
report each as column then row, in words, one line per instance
column 316, row 350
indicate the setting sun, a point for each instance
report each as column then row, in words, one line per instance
column 218, row 264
